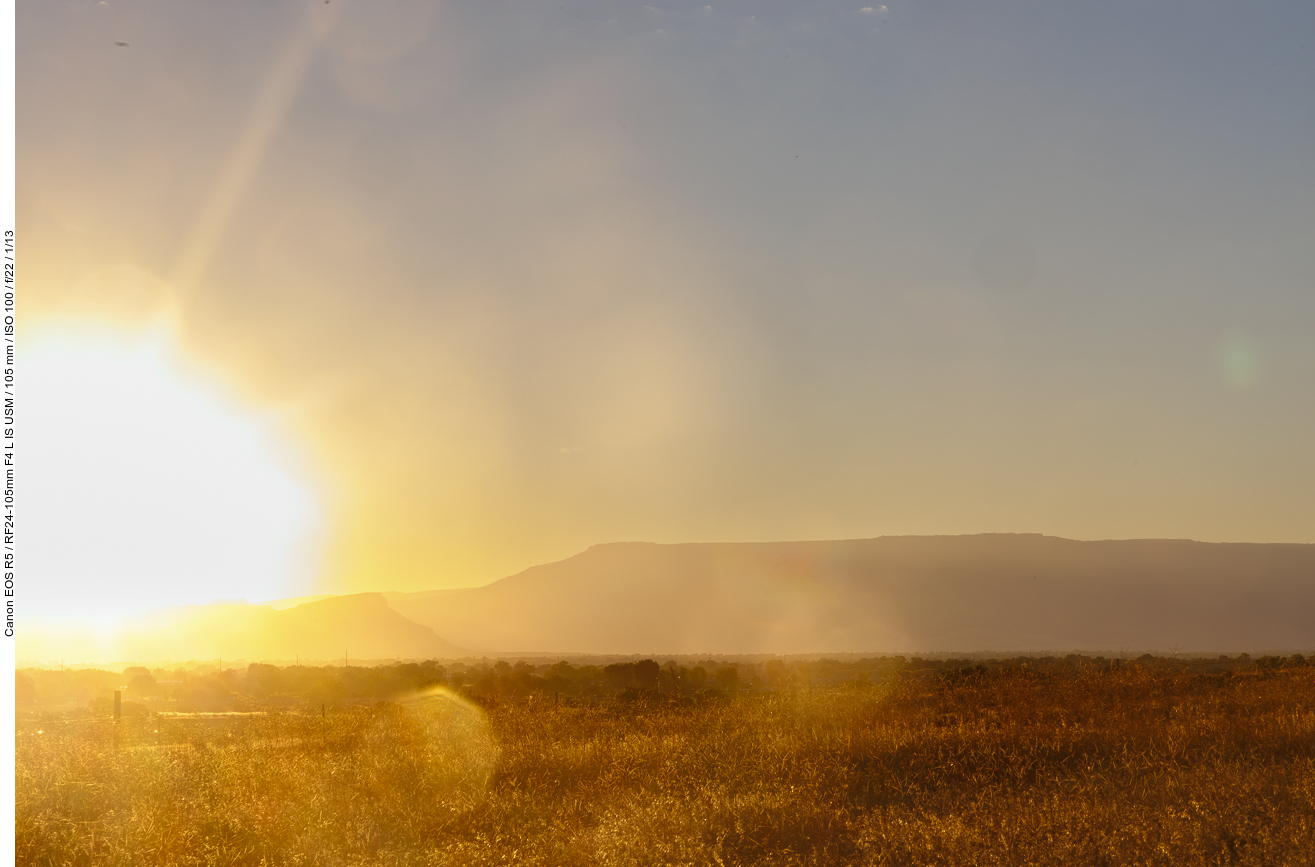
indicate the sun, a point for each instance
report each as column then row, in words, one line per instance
column 146, row 484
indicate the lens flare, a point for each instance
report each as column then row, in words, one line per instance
column 456, row 744
column 1238, row 362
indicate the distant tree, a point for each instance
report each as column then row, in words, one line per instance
column 487, row 684
column 728, row 678
column 646, row 673
column 207, row 694
column 25, row 689
column 673, row 675
column 562, row 669
column 263, row 680
column 520, row 680
column 620, row 674
column 142, row 685
column 829, row 668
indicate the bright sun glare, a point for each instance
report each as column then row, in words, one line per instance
column 147, row 485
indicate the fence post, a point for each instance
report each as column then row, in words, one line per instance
column 118, row 706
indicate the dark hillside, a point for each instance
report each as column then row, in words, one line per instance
column 892, row 594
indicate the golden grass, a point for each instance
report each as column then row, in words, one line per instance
column 1093, row 766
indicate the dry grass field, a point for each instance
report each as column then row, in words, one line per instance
column 1094, row 766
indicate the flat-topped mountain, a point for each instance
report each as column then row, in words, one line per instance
column 891, row 594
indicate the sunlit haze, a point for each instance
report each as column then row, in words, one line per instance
column 147, row 485
column 521, row 278
column 652, row 432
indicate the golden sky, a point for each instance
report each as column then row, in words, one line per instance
column 519, row 278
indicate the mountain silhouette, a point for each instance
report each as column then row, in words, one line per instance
column 891, row 594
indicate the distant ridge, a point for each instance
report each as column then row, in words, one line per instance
column 892, row 594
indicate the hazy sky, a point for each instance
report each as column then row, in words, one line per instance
column 522, row 277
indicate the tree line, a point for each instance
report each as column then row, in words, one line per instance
column 209, row 688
